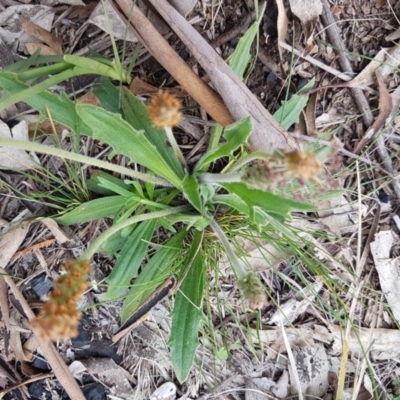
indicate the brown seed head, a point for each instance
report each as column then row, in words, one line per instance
column 303, row 165
column 59, row 318
column 164, row 110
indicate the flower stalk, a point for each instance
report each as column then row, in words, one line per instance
column 248, row 282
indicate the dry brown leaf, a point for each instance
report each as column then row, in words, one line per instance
column 10, row 243
column 282, row 25
column 83, row 12
column 105, row 17
column 15, row 337
column 37, row 128
column 11, row 31
column 307, row 123
column 385, row 109
column 109, row 373
column 45, row 50
column 55, row 229
column 139, row 87
column 380, row 3
column 88, row 98
column 183, row 6
column 367, row 75
column 72, row 2
column 33, row 248
column 307, row 11
column 16, row 158
column 4, row 310
column 44, row 35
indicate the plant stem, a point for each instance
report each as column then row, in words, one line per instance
column 40, row 148
column 257, row 155
column 230, row 252
column 34, row 90
column 42, row 71
column 95, row 245
column 174, row 145
column 219, row 178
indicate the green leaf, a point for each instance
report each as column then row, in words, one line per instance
column 153, row 274
column 238, row 204
column 242, row 55
column 112, row 129
column 235, row 135
column 108, row 95
column 190, row 188
column 93, row 209
column 136, row 114
column 60, row 107
column 129, row 259
column 187, row 313
column 96, row 183
column 86, row 65
column 267, row 201
column 289, row 112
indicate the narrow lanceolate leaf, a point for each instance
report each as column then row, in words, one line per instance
column 267, row 201
column 187, row 313
column 129, row 260
column 113, row 130
column 153, row 274
column 136, row 114
column 289, row 112
column 191, row 191
column 235, row 135
column 60, row 108
column 242, row 55
column 93, row 209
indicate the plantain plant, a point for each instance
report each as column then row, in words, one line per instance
column 187, row 201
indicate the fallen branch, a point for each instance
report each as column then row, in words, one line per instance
column 267, row 134
column 170, row 60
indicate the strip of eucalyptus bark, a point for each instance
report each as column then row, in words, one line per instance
column 58, row 366
column 268, row 134
column 170, row 60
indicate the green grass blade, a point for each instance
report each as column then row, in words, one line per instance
column 235, row 135
column 289, row 112
column 187, row 312
column 108, row 94
column 93, row 209
column 153, row 274
column 190, row 188
column 242, row 56
column 267, row 201
column 60, row 107
column 130, row 259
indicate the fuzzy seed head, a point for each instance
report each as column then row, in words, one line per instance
column 303, row 165
column 164, row 110
column 253, row 290
column 59, row 318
